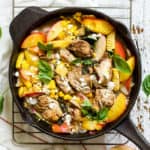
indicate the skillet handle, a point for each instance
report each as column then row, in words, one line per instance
column 128, row 129
column 24, row 22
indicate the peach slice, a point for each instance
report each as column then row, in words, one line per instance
column 33, row 39
column 98, row 25
column 33, row 94
column 118, row 108
column 60, row 43
column 55, row 30
column 36, row 50
column 25, row 74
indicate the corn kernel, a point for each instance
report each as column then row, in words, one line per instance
column 90, row 95
column 21, row 91
column 28, row 84
column 52, row 85
column 25, row 65
column 67, row 97
column 61, row 94
column 94, row 54
column 19, row 60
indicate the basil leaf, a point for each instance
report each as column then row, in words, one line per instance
column 146, row 85
column 102, row 114
column 45, row 71
column 84, row 111
column 77, row 61
column 87, row 61
column 1, row 103
column 121, row 64
column 87, row 104
column 46, row 48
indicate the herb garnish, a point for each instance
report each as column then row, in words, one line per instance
column 45, row 71
column 146, row 85
column 119, row 63
column 89, row 112
column 86, row 61
column 46, row 48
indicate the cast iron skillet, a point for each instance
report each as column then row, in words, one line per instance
column 31, row 18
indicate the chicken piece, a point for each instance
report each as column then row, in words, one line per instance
column 78, row 81
column 63, row 84
column 80, row 48
column 104, row 70
column 51, row 57
column 104, row 97
column 67, row 55
column 54, row 111
column 42, row 103
column 77, row 115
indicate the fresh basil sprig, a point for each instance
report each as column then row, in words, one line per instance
column 45, row 71
column 146, row 85
column 89, row 112
column 102, row 114
column 119, row 62
column 46, row 48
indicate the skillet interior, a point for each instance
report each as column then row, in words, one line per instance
column 124, row 34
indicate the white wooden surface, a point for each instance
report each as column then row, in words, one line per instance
column 140, row 16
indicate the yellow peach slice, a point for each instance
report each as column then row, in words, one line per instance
column 19, row 60
column 54, row 31
column 118, row 108
column 98, row 25
column 33, row 39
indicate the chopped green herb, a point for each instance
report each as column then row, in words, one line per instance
column 146, row 85
column 77, row 61
column 121, row 64
column 102, row 113
column 45, row 71
column 46, row 48
column 0, row 32
column 91, row 113
column 86, row 61
column 1, row 103
column 87, row 104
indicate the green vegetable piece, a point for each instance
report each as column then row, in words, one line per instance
column 46, row 48
column 1, row 103
column 87, row 61
column 102, row 114
column 87, row 104
column 77, row 61
column 146, row 85
column 121, row 64
column 45, row 71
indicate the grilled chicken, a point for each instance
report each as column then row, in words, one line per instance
column 104, row 97
column 63, row 84
column 54, row 112
column 104, row 70
column 78, row 81
column 67, row 55
column 80, row 48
